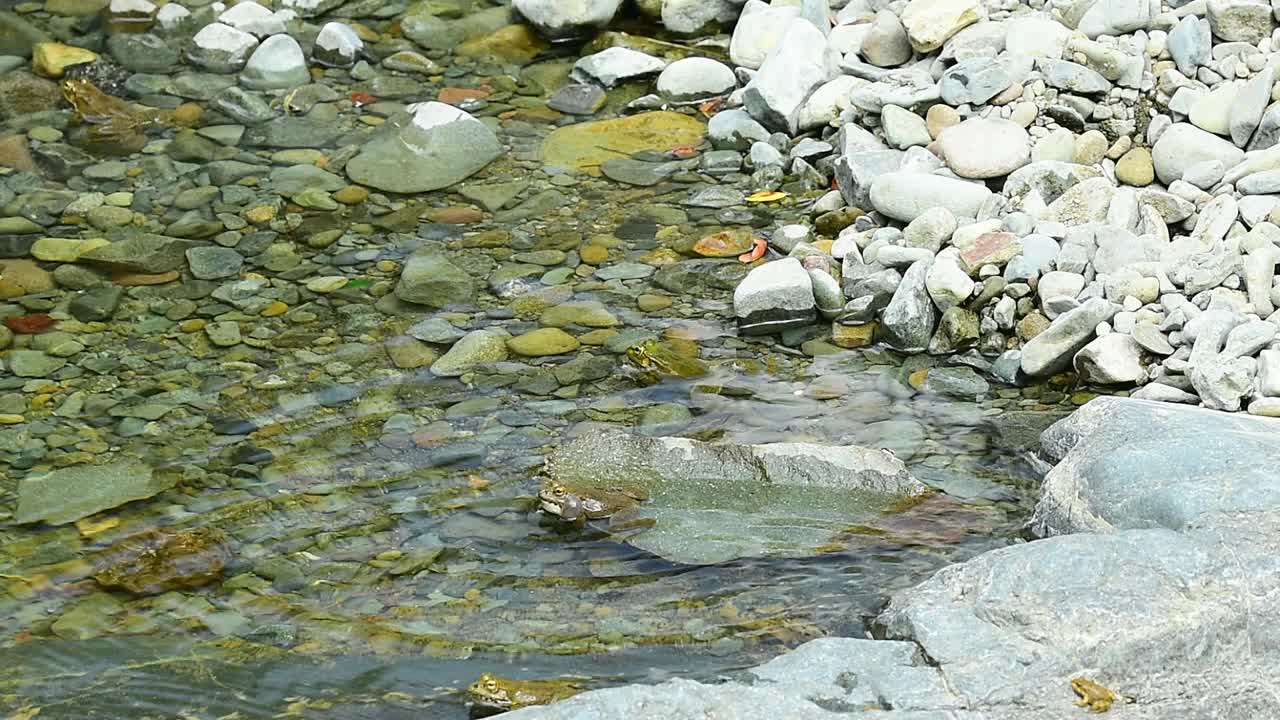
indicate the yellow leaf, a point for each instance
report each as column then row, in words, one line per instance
column 765, row 196
column 89, row 527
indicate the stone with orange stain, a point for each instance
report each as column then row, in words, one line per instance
column 132, row 279
column 23, row 277
column 993, row 248
column 455, row 215
column 726, row 243
column 15, row 154
column 455, row 95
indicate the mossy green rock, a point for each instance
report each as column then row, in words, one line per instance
column 588, row 313
column 543, row 341
column 475, row 348
column 586, row 145
column 68, row 494
column 433, row 147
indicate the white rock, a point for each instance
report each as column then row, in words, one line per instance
column 931, row 230
column 930, row 22
column 826, row 103
column 1249, row 104
column 695, row 78
column 1241, row 20
column 905, row 196
column 794, row 69
column 337, row 45
column 1053, row 349
column 172, row 15
column 982, row 148
column 690, row 16
column 616, row 64
column 1212, row 112
column 947, row 283
column 131, row 7
column 1115, row 17
column 1269, row 373
column 253, row 18
column 566, row 18
column 276, row 64
column 1184, row 145
column 1057, row 283
column 774, row 297
column 1113, row 359
column 221, row 48
column 903, row 128
column 885, row 44
column 1036, row 36
column 759, row 29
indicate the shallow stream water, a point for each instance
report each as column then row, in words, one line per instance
column 384, row 546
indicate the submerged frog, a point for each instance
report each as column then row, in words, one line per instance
column 1094, row 696
column 492, row 694
column 111, row 122
column 582, row 504
column 662, row 359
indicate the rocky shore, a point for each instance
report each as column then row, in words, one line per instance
column 1155, row 576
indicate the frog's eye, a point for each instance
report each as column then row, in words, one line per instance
column 558, row 491
column 490, row 684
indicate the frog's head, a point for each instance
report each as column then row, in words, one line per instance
column 641, row 354
column 556, row 499
column 74, row 88
column 490, row 691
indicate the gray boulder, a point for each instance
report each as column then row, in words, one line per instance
column 774, row 297
column 566, row 18
column 793, row 69
column 429, row 146
column 911, row 316
column 906, row 196
column 430, row 278
column 695, row 78
column 68, row 494
column 1052, row 350
column 1139, row 464
column 1184, row 145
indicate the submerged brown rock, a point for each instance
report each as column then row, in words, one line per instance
column 157, row 561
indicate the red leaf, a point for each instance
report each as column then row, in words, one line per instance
column 29, row 324
column 362, row 98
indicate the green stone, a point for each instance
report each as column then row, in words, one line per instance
column 68, row 494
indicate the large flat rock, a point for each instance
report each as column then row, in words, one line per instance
column 1143, row 464
column 712, row 503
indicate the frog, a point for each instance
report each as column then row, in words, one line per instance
column 658, row 358
column 1095, row 697
column 491, row 694
column 582, row 504
column 111, row 122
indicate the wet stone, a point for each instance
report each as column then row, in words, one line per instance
column 212, row 262
column 96, row 304
column 578, row 99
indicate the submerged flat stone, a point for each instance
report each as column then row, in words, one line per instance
column 711, row 503
column 68, row 494
column 585, row 146
column 430, row 146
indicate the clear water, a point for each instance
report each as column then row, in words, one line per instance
column 384, row 543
